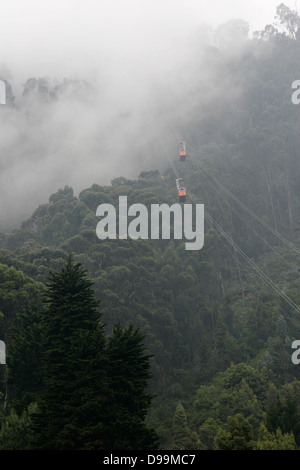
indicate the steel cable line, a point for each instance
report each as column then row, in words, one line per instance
column 254, row 265
column 236, row 199
column 256, row 268
column 250, row 211
column 282, row 294
column 256, row 233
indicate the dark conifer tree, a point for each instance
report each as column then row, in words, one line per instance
column 72, row 407
column 129, row 371
column 94, row 395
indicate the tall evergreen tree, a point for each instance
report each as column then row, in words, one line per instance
column 183, row 437
column 129, row 371
column 72, row 407
column 94, row 394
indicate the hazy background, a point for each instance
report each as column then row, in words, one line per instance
column 121, row 57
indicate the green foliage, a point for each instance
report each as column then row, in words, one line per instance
column 237, row 435
column 208, row 432
column 241, row 389
column 15, row 431
column 25, row 373
column 183, row 437
column 277, row 441
column 283, row 412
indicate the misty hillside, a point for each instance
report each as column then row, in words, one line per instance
column 219, row 333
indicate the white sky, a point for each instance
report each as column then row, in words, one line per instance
column 45, row 35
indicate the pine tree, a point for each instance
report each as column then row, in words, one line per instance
column 129, row 371
column 183, row 437
column 180, row 428
column 72, row 407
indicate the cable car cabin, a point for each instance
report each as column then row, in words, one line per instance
column 182, row 155
column 181, row 190
column 182, row 152
column 182, row 195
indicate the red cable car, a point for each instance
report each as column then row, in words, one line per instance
column 182, row 195
column 182, row 152
column 181, row 191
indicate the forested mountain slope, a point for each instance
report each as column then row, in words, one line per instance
column 220, row 335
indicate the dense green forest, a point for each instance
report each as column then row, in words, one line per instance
column 203, row 341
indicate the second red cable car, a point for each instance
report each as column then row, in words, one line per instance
column 181, row 191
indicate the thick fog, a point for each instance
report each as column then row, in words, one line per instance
column 99, row 89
